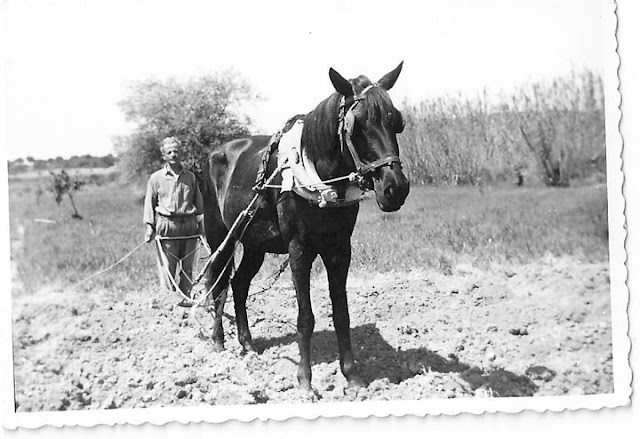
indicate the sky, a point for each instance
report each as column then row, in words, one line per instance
column 65, row 64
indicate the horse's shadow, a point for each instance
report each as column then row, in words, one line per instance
column 377, row 360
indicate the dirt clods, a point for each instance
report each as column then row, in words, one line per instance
column 537, row 329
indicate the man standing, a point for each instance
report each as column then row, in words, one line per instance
column 173, row 207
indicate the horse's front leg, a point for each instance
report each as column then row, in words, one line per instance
column 217, row 334
column 337, row 260
column 300, row 259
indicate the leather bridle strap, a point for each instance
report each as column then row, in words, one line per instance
column 385, row 161
column 345, row 130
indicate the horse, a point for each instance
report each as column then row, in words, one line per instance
column 352, row 132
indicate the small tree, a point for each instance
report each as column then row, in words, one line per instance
column 199, row 111
column 562, row 123
column 64, row 184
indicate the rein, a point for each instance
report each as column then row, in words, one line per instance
column 346, row 121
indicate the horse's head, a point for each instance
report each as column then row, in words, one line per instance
column 368, row 129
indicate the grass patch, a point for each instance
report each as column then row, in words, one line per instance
column 70, row 250
column 440, row 227
column 436, row 229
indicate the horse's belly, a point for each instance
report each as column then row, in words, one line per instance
column 264, row 235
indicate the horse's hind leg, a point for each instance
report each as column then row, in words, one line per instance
column 215, row 275
column 249, row 267
column 336, row 261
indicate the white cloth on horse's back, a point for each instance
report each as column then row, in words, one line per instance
column 299, row 170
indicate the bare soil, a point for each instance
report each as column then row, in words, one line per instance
column 538, row 329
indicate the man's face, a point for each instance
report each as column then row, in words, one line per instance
column 171, row 154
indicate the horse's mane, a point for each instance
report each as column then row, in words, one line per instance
column 320, row 133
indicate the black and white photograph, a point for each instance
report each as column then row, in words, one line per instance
column 230, row 211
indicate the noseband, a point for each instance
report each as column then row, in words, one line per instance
column 346, row 120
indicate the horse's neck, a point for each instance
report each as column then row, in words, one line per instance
column 320, row 139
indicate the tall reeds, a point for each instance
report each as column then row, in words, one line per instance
column 548, row 131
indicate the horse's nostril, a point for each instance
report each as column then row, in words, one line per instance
column 389, row 192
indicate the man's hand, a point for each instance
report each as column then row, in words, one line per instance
column 203, row 239
column 203, row 236
column 149, row 233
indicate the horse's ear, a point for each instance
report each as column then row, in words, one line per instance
column 388, row 80
column 341, row 85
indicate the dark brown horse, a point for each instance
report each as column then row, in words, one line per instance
column 353, row 132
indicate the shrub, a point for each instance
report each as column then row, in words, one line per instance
column 562, row 123
column 200, row 111
column 63, row 184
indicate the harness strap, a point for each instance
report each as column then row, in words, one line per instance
column 389, row 160
column 346, row 120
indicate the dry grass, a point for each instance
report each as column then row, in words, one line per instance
column 436, row 229
column 441, row 227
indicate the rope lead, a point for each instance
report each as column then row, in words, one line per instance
column 111, row 266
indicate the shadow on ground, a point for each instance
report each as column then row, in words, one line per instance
column 378, row 360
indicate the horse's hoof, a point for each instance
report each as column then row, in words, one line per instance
column 247, row 347
column 356, row 383
column 218, row 347
column 306, row 386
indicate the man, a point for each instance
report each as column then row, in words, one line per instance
column 173, row 207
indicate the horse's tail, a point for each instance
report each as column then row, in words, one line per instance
column 219, row 271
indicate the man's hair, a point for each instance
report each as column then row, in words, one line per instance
column 169, row 141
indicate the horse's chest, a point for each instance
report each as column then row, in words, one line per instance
column 300, row 220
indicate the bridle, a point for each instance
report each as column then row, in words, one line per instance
column 346, row 120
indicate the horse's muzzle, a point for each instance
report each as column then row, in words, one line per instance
column 391, row 188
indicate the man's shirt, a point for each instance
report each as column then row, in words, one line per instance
column 171, row 194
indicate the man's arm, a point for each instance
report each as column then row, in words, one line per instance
column 198, row 202
column 199, row 207
column 149, row 215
